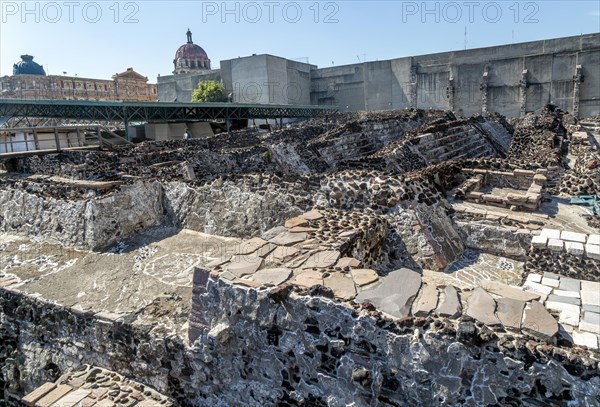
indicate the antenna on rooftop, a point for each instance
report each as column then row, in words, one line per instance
column 465, row 36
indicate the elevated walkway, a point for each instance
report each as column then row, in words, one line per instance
column 25, row 141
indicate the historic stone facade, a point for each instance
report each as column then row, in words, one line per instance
column 127, row 86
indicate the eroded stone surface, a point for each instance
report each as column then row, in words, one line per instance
column 395, row 294
column 482, row 307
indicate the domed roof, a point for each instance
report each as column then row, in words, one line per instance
column 28, row 67
column 190, row 50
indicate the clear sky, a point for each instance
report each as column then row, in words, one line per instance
column 96, row 39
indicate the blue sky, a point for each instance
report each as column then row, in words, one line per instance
column 98, row 39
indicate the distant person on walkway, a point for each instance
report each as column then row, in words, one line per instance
column 187, row 135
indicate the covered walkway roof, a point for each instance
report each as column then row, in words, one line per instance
column 154, row 111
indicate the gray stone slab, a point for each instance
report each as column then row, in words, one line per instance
column 322, row 259
column 504, row 290
column 590, row 293
column 564, row 300
column 482, row 307
column 364, row 277
column 395, row 294
column 552, row 276
column 342, row 285
column 309, row 278
column 287, row 238
column 591, row 308
column 242, row 265
column 273, row 276
column 538, row 321
column 569, row 284
column 250, row 246
column 426, row 302
column 591, row 317
column 450, row 306
column 510, row 312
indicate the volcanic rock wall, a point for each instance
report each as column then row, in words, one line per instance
column 280, row 350
column 87, row 222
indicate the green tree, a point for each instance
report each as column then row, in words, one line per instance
column 209, row 91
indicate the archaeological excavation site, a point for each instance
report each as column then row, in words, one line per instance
column 383, row 258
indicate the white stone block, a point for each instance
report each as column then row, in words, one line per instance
column 573, row 236
column 534, row 277
column 569, row 317
column 539, row 241
column 561, row 306
column 538, row 288
column 589, row 327
column 574, row 248
column 585, row 339
column 550, row 233
column 556, row 245
column 590, row 293
column 594, row 239
column 592, row 251
column 565, row 293
column 550, row 282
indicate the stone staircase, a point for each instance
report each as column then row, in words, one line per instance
column 456, row 143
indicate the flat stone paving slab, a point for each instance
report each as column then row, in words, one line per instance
column 309, row 278
column 72, row 398
column 594, row 239
column 395, row 294
column 59, row 392
column 31, row 398
column 538, row 321
column 590, row 293
column 287, row 238
column 569, row 284
column 510, row 312
column 312, row 215
column 348, row 262
column 272, row 276
column 293, row 222
column 322, row 259
column 364, row 277
column 450, row 305
column 504, row 290
column 282, row 254
column 241, row 265
column 482, row 307
column 426, row 302
column 342, row 285
column 251, row 245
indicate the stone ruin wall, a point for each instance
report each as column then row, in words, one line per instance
column 278, row 348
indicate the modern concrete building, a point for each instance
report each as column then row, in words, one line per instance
column 509, row 79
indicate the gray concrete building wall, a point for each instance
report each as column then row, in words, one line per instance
column 267, row 79
column 179, row 88
column 508, row 79
column 520, row 78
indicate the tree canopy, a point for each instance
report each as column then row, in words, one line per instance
column 209, row 91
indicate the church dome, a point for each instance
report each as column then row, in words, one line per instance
column 27, row 67
column 190, row 57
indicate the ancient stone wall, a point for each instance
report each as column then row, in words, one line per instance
column 88, row 222
column 276, row 349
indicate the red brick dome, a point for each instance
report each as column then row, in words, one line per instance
column 190, row 57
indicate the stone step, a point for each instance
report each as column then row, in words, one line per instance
column 431, row 153
column 476, row 152
column 460, row 151
column 429, row 140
